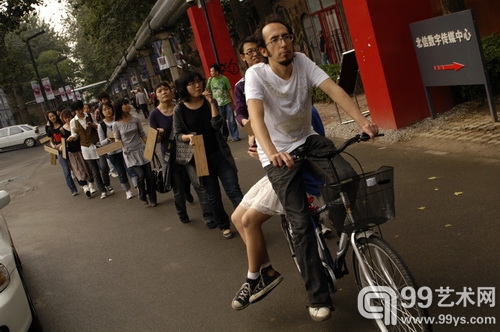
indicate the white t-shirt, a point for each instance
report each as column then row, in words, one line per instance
column 90, row 152
column 287, row 103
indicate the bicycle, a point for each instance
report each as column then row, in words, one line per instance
column 375, row 262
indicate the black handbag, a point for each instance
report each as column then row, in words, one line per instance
column 163, row 176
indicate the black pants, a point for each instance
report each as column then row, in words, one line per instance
column 96, row 172
column 146, row 183
column 145, row 110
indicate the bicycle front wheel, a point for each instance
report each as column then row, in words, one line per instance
column 386, row 268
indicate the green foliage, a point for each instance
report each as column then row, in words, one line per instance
column 491, row 51
column 35, row 119
column 332, row 71
column 226, row 8
column 13, row 13
column 102, row 31
column 16, row 67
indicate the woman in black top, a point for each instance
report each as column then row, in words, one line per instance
column 198, row 114
column 77, row 164
column 53, row 130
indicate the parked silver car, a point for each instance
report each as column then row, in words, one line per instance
column 19, row 135
column 17, row 312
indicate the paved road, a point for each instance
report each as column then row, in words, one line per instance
column 114, row 265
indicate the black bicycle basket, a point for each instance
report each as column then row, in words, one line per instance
column 374, row 203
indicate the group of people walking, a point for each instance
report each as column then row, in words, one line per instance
column 274, row 99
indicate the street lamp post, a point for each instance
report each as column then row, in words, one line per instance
column 36, row 67
column 59, row 59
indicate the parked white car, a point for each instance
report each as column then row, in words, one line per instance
column 19, row 135
column 17, row 312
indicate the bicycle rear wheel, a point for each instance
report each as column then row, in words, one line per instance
column 386, row 268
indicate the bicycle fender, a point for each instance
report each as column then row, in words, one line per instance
column 365, row 234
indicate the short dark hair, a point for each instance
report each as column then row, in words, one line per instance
column 157, row 86
column 249, row 39
column 76, row 105
column 268, row 20
column 182, row 82
column 103, row 95
column 216, row 67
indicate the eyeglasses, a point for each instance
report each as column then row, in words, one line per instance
column 250, row 52
column 275, row 41
column 195, row 82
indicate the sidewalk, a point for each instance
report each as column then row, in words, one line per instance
column 467, row 128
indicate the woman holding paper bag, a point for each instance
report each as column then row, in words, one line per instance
column 128, row 130
column 104, row 130
column 54, row 133
column 161, row 119
column 77, row 164
column 198, row 114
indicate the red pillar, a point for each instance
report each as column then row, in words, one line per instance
column 387, row 61
column 223, row 45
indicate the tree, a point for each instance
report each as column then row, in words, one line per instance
column 17, row 78
column 12, row 14
column 102, row 31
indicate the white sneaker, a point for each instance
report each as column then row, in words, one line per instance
column 92, row 187
column 103, row 195
column 113, row 173
column 325, row 230
column 320, row 314
column 86, row 189
column 110, row 190
column 129, row 194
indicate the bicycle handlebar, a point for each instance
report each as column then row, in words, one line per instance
column 330, row 154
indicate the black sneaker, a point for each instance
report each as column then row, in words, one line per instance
column 242, row 298
column 211, row 224
column 184, row 219
column 269, row 278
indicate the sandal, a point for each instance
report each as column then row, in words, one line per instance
column 227, row 233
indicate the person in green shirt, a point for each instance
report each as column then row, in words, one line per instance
column 221, row 90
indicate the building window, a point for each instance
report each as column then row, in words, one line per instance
column 325, row 16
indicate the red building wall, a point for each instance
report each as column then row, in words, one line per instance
column 226, row 55
column 387, row 60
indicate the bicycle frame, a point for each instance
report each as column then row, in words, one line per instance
column 337, row 268
column 375, row 262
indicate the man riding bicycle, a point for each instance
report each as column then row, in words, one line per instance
column 279, row 105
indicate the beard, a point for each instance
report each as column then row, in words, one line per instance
column 284, row 62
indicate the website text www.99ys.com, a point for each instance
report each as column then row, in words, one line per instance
column 382, row 302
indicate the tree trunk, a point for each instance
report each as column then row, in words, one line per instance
column 452, row 6
column 16, row 103
column 12, row 88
